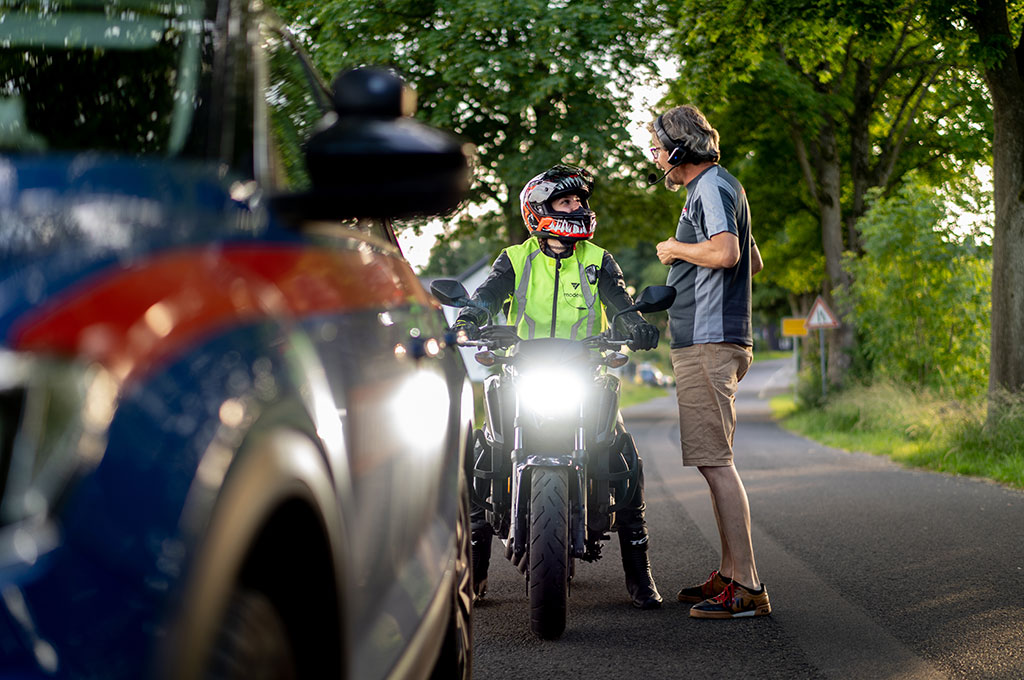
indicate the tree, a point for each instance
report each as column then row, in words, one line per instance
column 862, row 91
column 1000, row 48
column 530, row 84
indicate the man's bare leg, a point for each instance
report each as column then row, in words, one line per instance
column 732, row 512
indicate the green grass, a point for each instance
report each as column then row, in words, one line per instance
column 633, row 393
column 918, row 429
column 761, row 355
column 478, row 404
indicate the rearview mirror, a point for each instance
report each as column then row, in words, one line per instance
column 655, row 298
column 450, row 292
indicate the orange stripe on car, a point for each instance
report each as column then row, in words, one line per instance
column 129, row 317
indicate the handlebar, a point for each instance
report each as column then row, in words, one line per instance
column 500, row 337
column 494, row 337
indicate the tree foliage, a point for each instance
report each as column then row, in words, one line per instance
column 529, row 83
column 854, row 93
column 920, row 293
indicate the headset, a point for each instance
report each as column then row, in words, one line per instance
column 679, row 153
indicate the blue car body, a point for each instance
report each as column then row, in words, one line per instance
column 203, row 402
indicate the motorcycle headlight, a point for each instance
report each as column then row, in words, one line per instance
column 54, row 415
column 551, row 391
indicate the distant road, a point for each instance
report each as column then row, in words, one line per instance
column 874, row 571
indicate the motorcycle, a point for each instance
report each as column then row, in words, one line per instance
column 553, row 451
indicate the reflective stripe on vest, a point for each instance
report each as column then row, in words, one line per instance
column 522, row 285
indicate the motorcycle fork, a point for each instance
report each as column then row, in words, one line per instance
column 523, row 462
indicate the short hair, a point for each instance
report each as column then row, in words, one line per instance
column 688, row 125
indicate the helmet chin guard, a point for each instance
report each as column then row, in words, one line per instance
column 538, row 194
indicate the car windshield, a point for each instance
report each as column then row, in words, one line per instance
column 98, row 74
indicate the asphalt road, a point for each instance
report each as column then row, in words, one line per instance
column 874, row 571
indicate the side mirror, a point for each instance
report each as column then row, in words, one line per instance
column 655, row 298
column 450, row 292
column 373, row 160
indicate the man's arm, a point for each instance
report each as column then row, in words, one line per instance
column 756, row 263
column 721, row 251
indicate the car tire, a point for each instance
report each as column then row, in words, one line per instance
column 455, row 660
column 253, row 642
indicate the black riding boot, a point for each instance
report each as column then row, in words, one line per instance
column 639, row 580
column 481, row 532
column 481, row 551
column 633, row 541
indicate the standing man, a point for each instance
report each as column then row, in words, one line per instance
column 711, row 260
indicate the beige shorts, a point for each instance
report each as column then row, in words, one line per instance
column 706, row 380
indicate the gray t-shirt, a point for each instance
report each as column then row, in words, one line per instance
column 712, row 305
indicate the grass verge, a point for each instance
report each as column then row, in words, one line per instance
column 917, row 428
column 633, row 393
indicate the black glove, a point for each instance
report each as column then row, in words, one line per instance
column 466, row 326
column 643, row 336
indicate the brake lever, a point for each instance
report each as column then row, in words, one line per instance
column 499, row 337
column 603, row 342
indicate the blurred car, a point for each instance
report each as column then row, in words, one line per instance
column 232, row 435
column 649, row 374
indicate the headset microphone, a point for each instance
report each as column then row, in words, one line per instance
column 654, row 179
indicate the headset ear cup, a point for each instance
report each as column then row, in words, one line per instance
column 676, row 157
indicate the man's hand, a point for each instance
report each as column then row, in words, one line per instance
column 721, row 251
column 467, row 327
column 643, row 336
column 666, row 251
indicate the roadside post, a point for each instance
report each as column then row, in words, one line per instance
column 822, row 317
column 795, row 327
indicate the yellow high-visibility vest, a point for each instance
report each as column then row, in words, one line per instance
column 565, row 290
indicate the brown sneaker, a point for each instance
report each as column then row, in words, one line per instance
column 733, row 602
column 713, row 586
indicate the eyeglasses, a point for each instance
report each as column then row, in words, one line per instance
column 655, row 152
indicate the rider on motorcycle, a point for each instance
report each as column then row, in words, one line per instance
column 556, row 283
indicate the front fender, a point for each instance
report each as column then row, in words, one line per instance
column 273, row 467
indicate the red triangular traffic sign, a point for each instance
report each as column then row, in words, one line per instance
column 821, row 316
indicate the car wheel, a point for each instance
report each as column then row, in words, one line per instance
column 253, row 642
column 455, row 661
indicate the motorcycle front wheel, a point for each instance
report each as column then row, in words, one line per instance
column 549, row 551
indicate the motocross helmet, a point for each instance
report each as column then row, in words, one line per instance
column 538, row 194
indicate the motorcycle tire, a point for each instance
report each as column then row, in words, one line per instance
column 549, row 551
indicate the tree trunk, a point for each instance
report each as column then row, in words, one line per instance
column 820, row 164
column 842, row 339
column 1005, row 80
